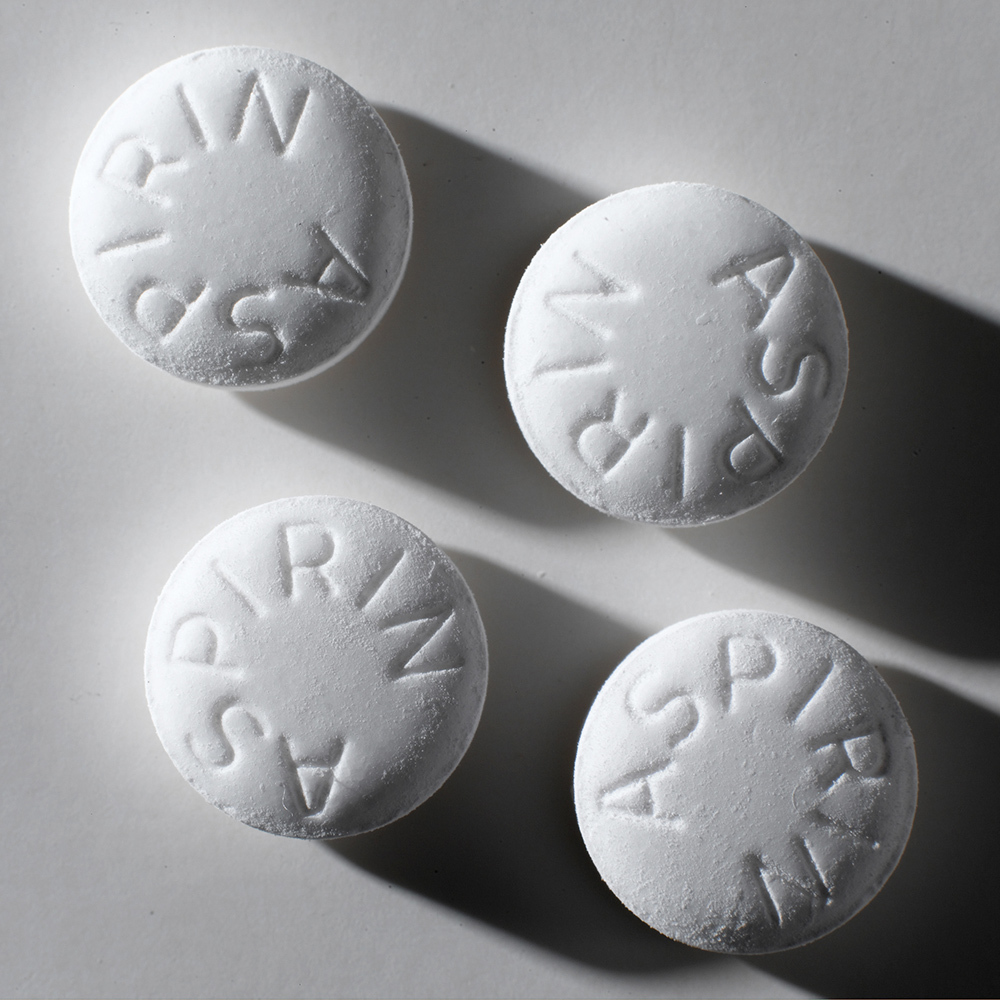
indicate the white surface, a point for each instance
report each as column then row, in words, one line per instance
column 871, row 128
column 240, row 217
column 316, row 667
column 675, row 354
column 745, row 782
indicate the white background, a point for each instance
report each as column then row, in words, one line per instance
column 873, row 128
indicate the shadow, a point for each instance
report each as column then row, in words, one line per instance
column 425, row 392
column 499, row 841
column 932, row 931
column 895, row 521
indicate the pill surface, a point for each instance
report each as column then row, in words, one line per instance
column 316, row 667
column 675, row 354
column 745, row 782
column 240, row 217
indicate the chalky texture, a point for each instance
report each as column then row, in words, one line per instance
column 675, row 354
column 316, row 667
column 240, row 217
column 745, row 782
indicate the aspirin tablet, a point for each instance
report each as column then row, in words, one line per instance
column 745, row 782
column 675, row 354
column 316, row 667
column 240, row 217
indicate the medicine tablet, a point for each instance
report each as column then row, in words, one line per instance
column 675, row 354
column 745, row 782
column 240, row 217
column 316, row 667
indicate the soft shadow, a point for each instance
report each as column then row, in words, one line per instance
column 499, row 841
column 896, row 520
column 932, row 931
column 425, row 392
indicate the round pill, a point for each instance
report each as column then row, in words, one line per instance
column 240, row 217
column 675, row 354
column 745, row 782
column 316, row 667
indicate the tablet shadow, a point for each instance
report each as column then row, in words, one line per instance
column 932, row 931
column 499, row 841
column 425, row 392
column 895, row 521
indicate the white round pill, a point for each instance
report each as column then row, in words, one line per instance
column 745, row 782
column 316, row 667
column 240, row 217
column 675, row 354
